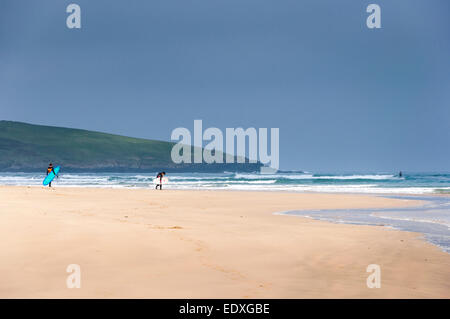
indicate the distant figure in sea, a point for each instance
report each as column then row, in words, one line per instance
column 160, row 176
column 49, row 170
column 400, row 174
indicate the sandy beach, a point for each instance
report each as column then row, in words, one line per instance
column 142, row 243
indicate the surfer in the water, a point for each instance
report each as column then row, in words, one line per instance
column 160, row 176
column 49, row 170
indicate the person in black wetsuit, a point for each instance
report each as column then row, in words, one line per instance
column 160, row 176
column 400, row 174
column 49, row 170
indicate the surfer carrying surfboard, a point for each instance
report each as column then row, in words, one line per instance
column 160, row 176
column 50, row 169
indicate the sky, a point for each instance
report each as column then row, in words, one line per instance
column 344, row 97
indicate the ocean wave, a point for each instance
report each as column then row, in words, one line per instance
column 356, row 177
column 319, row 177
column 291, row 182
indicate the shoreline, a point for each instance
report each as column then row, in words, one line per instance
column 141, row 243
column 346, row 183
column 151, row 188
column 429, row 218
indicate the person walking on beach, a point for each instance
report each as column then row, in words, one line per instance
column 49, row 170
column 160, row 176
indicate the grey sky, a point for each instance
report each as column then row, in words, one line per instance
column 345, row 98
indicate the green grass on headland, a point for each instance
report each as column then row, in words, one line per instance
column 28, row 147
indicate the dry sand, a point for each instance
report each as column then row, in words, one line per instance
column 204, row 244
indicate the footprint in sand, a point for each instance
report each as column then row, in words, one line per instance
column 164, row 227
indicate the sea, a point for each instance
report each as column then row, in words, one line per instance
column 291, row 181
column 432, row 219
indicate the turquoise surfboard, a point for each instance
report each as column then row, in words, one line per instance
column 51, row 176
